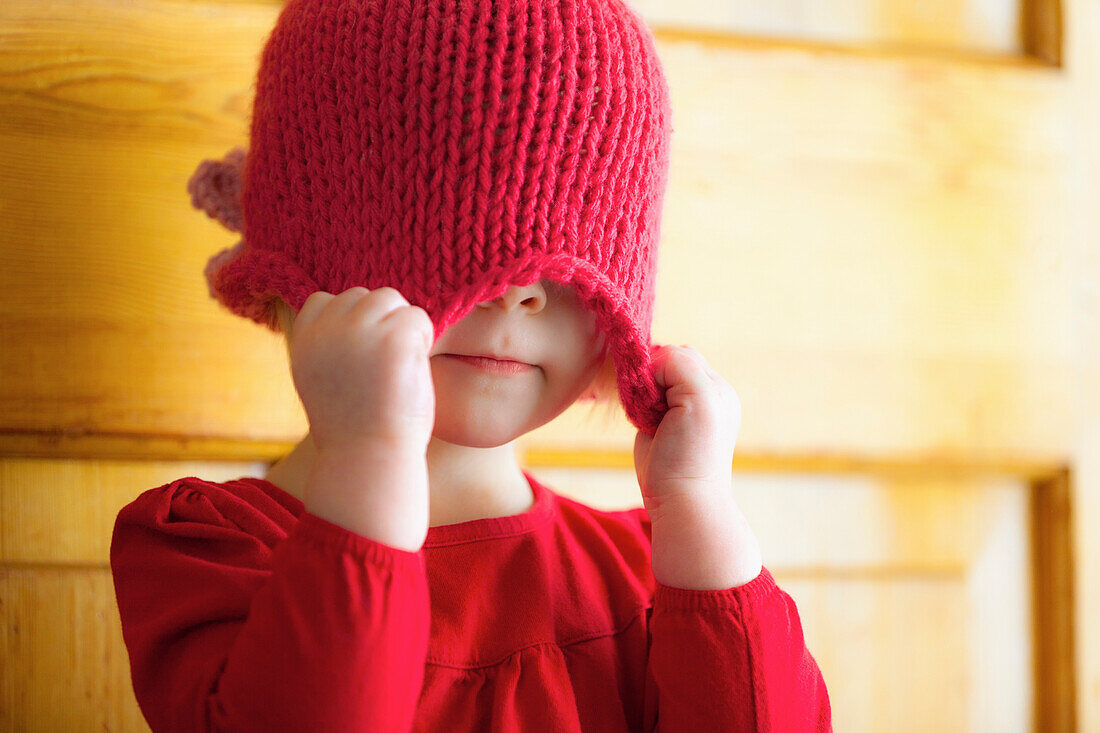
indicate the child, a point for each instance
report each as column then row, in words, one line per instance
column 428, row 183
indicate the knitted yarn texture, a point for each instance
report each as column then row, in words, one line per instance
column 449, row 149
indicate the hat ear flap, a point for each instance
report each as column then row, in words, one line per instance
column 215, row 188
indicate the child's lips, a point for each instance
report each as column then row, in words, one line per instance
column 494, row 366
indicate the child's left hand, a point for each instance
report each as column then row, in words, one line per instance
column 700, row 539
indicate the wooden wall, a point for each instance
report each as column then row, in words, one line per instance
column 890, row 254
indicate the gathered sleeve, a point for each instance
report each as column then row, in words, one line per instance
column 733, row 660
column 238, row 616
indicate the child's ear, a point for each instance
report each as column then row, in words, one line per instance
column 215, row 188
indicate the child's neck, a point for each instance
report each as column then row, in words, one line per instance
column 464, row 483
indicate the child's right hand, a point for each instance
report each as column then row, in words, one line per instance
column 360, row 363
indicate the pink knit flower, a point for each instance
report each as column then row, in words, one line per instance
column 215, row 188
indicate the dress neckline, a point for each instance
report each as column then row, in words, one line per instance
column 543, row 508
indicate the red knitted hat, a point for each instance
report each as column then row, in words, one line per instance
column 449, row 149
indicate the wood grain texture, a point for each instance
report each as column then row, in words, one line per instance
column 107, row 326
column 65, row 665
column 900, row 26
column 57, row 512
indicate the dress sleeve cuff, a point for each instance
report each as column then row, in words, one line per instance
column 760, row 587
column 320, row 531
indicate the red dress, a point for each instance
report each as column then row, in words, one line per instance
column 243, row 612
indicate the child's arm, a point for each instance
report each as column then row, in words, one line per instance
column 236, row 618
column 732, row 660
column 726, row 646
column 237, row 622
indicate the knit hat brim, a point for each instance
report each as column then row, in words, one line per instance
column 247, row 281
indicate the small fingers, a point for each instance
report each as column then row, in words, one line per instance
column 412, row 319
column 376, row 304
column 312, row 308
column 676, row 368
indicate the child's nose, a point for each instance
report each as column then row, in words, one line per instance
column 531, row 296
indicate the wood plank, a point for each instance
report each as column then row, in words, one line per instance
column 942, row 463
column 1042, row 29
column 58, row 512
column 105, row 111
column 898, row 25
column 1082, row 64
column 65, row 665
column 80, row 443
column 1054, row 604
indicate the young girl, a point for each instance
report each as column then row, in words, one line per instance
column 451, row 211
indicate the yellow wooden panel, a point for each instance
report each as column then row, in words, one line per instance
column 975, row 25
column 871, row 251
column 896, row 238
column 65, row 666
column 892, row 650
column 63, row 511
column 106, row 108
